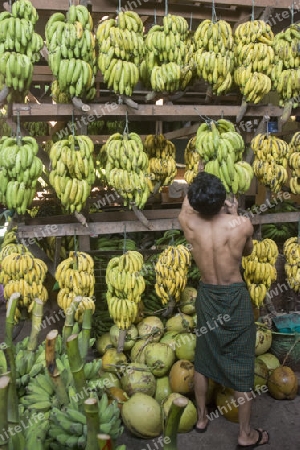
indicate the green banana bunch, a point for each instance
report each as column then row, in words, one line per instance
column 72, row 174
column 214, row 55
column 221, row 148
column 294, row 163
column 191, row 160
column 271, row 155
column 72, row 56
column 58, row 95
column 35, row 431
column 37, row 128
column 95, row 127
column 162, row 163
column 169, row 56
column 121, row 49
column 20, row 170
column 40, row 394
column 286, row 69
column 127, row 168
column 254, row 57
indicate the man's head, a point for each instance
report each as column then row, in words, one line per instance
column 206, row 194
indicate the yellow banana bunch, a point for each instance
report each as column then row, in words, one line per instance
column 19, row 48
column 72, row 174
column 271, row 156
column 72, row 56
column 294, row 163
column 291, row 251
column 169, row 56
column 162, row 159
column 171, row 271
column 85, row 303
column 221, row 148
column 20, row 169
column 58, row 95
column 121, row 49
column 75, row 276
column 254, row 57
column 191, row 160
column 127, row 168
column 214, row 55
column 125, row 286
column 286, row 69
column 259, row 269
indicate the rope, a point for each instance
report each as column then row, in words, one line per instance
column 166, row 8
column 213, row 13
column 126, row 129
column 18, row 132
column 120, row 6
column 191, row 21
column 124, row 239
column 292, row 13
column 252, row 13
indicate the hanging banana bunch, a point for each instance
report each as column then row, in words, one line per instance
column 72, row 55
column 127, row 168
column 19, row 48
column 191, row 160
column 121, row 49
column 168, row 64
column 20, row 169
column 259, row 269
column 162, row 159
column 254, row 58
column 270, row 160
column 294, row 163
column 285, row 73
column 125, row 286
column 72, row 174
column 214, row 54
column 171, row 271
column 291, row 251
column 58, row 95
column 221, row 148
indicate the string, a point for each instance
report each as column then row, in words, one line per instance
column 166, row 8
column 204, row 117
column 126, row 129
column 252, row 13
column 18, row 132
column 292, row 13
column 73, row 125
column 191, row 21
column 155, row 16
column 267, row 125
column 124, row 239
column 213, row 12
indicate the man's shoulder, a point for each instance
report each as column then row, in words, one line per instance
column 242, row 222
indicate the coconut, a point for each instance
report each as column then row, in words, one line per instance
column 163, row 389
column 112, row 361
column 188, row 417
column 103, row 342
column 226, row 402
column 181, row 376
column 159, row 357
column 137, row 353
column 180, row 323
column 283, row 383
column 261, row 373
column 108, row 379
column 169, row 338
column 263, row 339
column 270, row 360
column 151, row 327
column 130, row 339
column 142, row 415
column 138, row 378
column 185, row 346
column 187, row 300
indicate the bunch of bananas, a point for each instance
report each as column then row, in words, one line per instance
column 121, row 50
column 125, row 286
column 127, row 168
column 19, row 47
column 286, row 69
column 10, row 244
column 58, row 95
column 95, row 127
column 25, row 274
column 259, row 269
column 280, row 232
column 270, row 160
column 28, row 365
column 254, row 57
column 75, row 276
column 40, row 394
column 37, row 128
column 294, row 163
column 191, row 160
column 214, row 55
column 72, row 55
column 291, row 251
column 5, row 129
column 20, row 170
column 162, row 158
column 171, row 272
column 72, row 174
column 168, row 64
column 221, row 148
column 85, row 303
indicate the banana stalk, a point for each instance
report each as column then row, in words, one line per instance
column 104, row 442
column 69, row 319
column 76, row 366
column 37, row 316
column 86, row 332
column 61, row 391
column 172, row 422
column 92, row 422
column 13, row 410
column 4, row 383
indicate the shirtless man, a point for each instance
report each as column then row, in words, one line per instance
column 226, row 352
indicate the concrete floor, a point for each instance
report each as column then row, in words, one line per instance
column 280, row 417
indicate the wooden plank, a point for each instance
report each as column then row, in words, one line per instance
column 167, row 113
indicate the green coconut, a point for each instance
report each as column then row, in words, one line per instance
column 263, row 339
column 180, row 323
column 142, row 416
column 270, row 360
column 261, row 373
column 138, row 378
column 137, row 353
column 103, row 342
column 189, row 415
column 151, row 327
column 163, row 389
column 187, row 300
column 169, row 338
column 130, row 338
column 159, row 358
column 185, row 346
column 108, row 380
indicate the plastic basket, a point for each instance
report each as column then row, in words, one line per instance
column 286, row 347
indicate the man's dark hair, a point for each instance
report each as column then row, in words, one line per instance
column 207, row 194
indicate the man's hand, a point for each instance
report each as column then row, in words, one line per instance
column 231, row 207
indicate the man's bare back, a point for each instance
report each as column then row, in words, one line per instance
column 218, row 243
